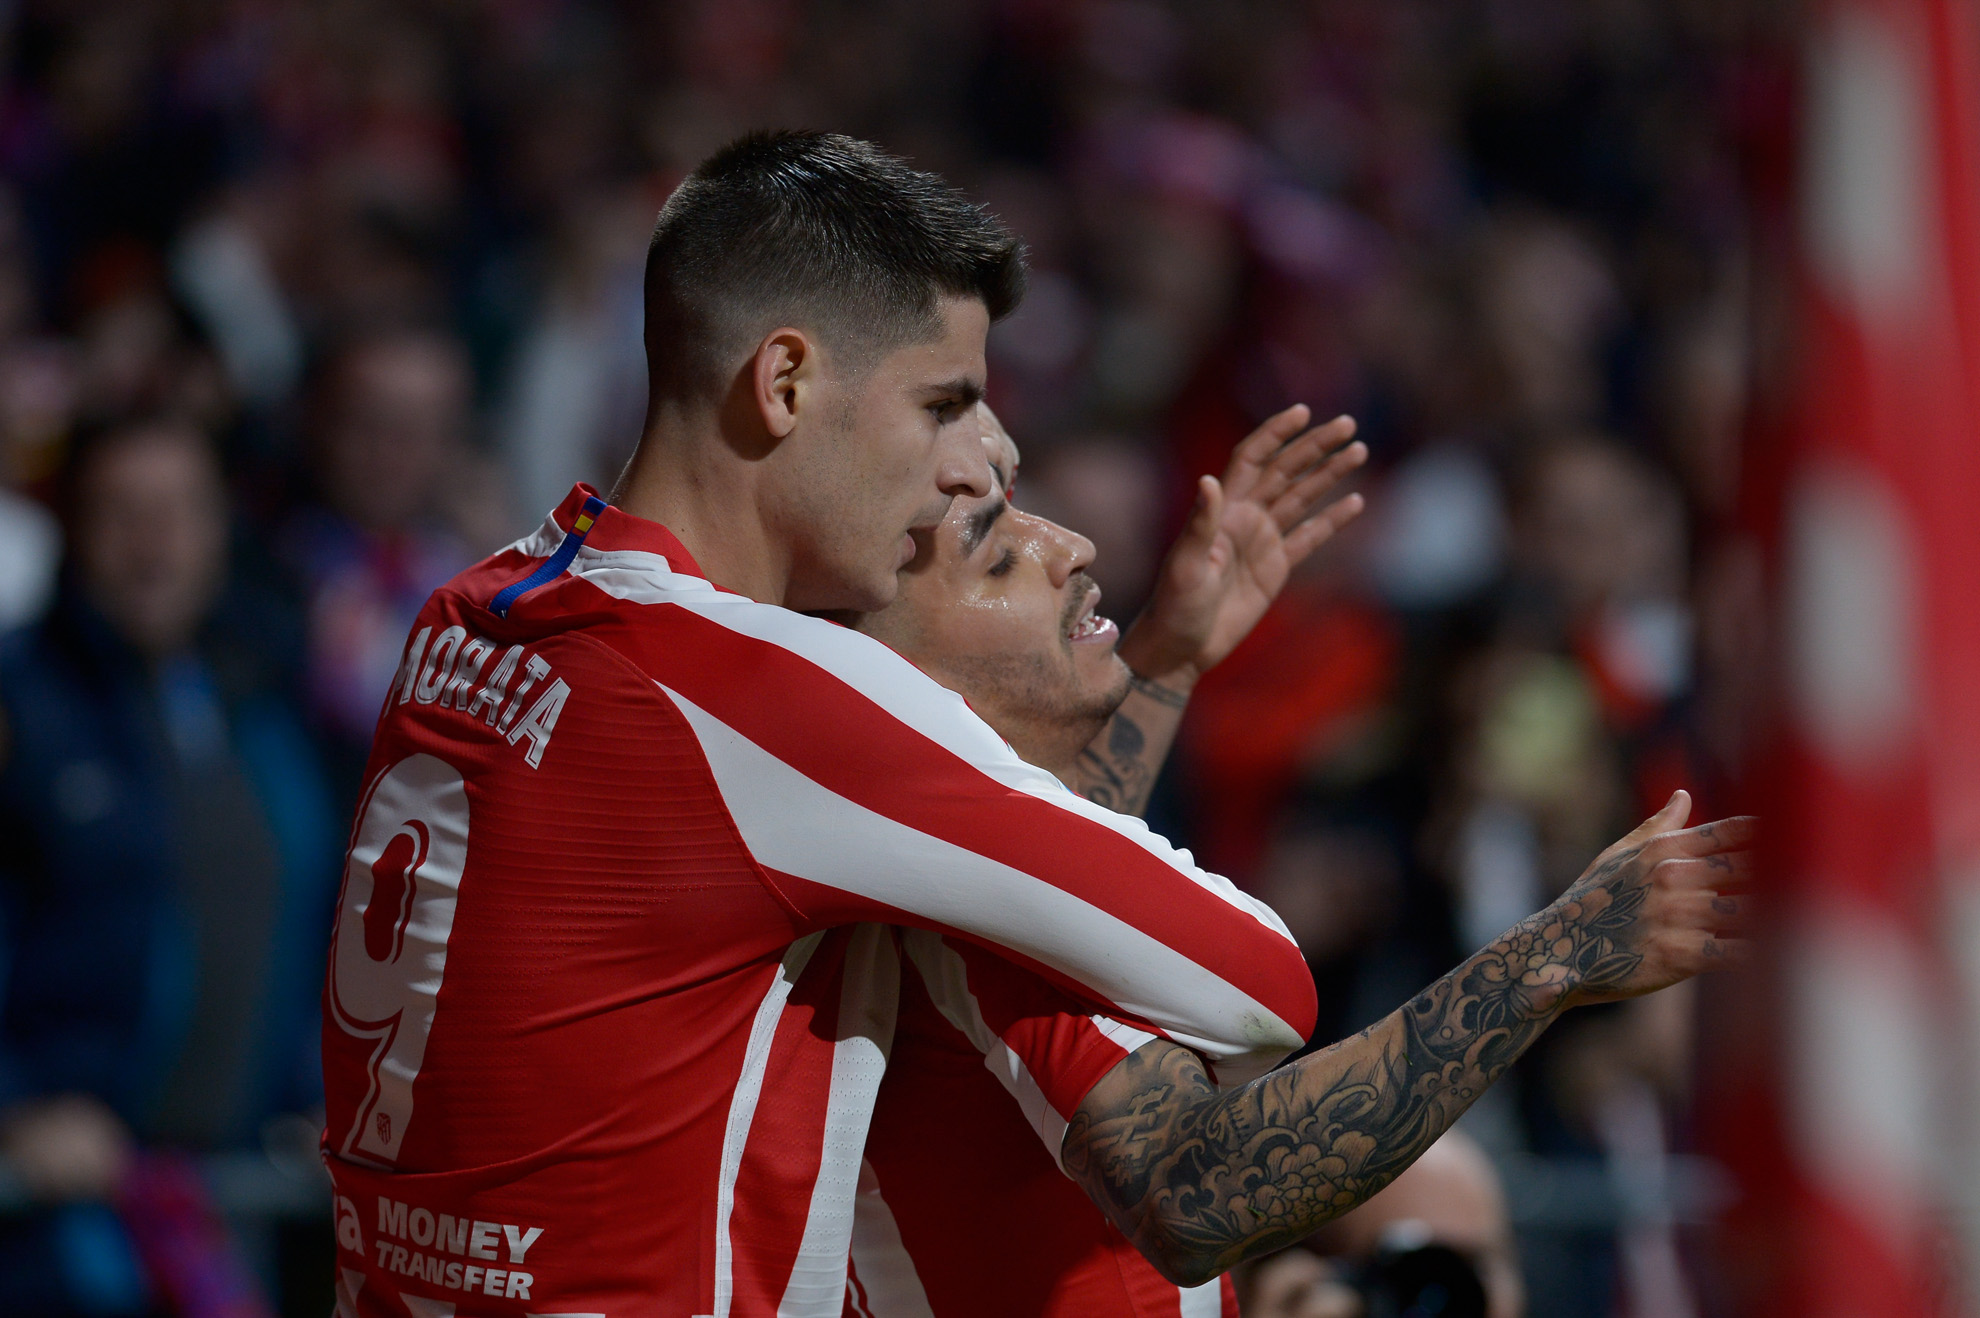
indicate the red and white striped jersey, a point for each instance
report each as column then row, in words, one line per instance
column 963, row 1211
column 613, row 814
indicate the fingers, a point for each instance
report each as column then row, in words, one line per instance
column 1318, row 529
column 1718, row 912
column 1715, row 952
column 1267, row 480
column 1732, row 915
column 1696, row 954
column 1702, row 929
column 1255, row 451
column 1296, row 455
column 1734, row 834
column 1730, row 870
column 1292, row 506
column 1287, row 469
column 1672, row 816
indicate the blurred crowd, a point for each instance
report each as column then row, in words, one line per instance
column 306, row 304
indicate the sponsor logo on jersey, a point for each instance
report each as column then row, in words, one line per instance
column 429, row 1237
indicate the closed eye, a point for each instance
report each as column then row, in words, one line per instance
column 1004, row 564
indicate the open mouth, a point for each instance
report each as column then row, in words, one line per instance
column 1088, row 625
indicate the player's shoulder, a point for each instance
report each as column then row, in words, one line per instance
column 594, row 575
column 468, row 675
column 592, row 567
column 655, row 593
column 688, row 633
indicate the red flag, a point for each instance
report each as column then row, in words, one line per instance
column 1874, row 785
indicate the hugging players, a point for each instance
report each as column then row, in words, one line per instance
column 612, row 983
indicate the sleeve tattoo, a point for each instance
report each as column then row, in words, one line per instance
column 1202, row 1180
column 1119, row 768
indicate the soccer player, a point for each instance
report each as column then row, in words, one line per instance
column 597, row 1037
column 962, row 1213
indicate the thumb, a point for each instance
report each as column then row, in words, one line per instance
column 1667, row 820
column 1207, row 514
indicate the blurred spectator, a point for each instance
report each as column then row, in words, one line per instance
column 1549, row 304
column 1606, row 547
column 1337, row 868
column 1438, row 538
column 391, row 418
column 170, row 850
column 30, row 549
column 1308, row 689
column 579, row 378
column 1615, row 1080
column 222, row 267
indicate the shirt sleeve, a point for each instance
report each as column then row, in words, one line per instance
column 864, row 790
column 1042, row 1044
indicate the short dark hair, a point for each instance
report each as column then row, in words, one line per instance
column 819, row 231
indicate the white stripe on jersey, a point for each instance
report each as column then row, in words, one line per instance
column 882, row 676
column 1121, row 1033
column 1205, row 1301
column 946, row 976
column 742, row 1108
column 881, row 1264
column 869, row 997
column 793, row 824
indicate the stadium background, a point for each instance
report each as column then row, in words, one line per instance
column 386, row 257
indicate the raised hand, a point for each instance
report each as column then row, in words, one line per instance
column 1245, row 535
column 1659, row 906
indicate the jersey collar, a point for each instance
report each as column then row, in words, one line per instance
column 616, row 529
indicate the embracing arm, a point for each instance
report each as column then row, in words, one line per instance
column 863, row 790
column 1201, row 1180
column 1244, row 537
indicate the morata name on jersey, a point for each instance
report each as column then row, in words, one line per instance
column 447, row 673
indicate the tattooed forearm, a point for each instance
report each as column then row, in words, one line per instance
column 1114, row 770
column 1201, row 1180
column 1119, row 768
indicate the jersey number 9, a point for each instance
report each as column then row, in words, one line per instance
column 389, row 952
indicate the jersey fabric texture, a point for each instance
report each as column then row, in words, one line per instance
column 612, row 816
column 963, row 1211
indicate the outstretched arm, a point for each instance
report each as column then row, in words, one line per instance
column 1201, row 1180
column 1245, row 536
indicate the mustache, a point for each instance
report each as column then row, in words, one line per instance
column 1080, row 588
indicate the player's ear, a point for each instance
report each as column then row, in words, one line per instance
column 782, row 373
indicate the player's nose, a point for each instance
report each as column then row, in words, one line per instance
column 1067, row 552
column 962, row 467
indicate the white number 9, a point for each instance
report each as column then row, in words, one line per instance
column 389, row 951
